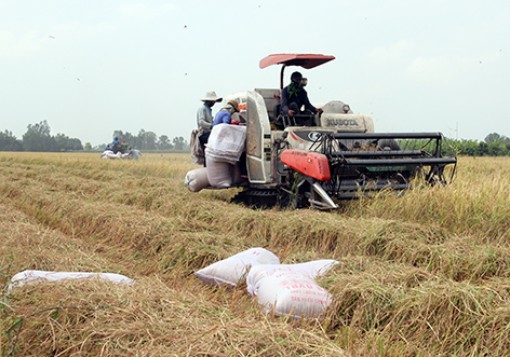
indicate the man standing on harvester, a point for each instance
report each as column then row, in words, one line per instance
column 205, row 117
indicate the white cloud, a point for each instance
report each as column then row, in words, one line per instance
column 12, row 45
column 445, row 69
column 145, row 11
column 398, row 52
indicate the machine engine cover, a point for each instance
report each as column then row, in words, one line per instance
column 311, row 164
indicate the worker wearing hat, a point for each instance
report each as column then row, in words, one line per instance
column 205, row 118
column 204, row 113
column 224, row 116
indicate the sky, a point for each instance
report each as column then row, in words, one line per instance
column 90, row 67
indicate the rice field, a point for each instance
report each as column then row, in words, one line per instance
column 426, row 274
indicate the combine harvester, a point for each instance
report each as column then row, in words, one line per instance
column 338, row 157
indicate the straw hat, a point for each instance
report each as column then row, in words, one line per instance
column 234, row 104
column 211, row 97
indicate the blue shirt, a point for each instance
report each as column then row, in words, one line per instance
column 222, row 117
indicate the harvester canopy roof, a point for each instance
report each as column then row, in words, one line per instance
column 307, row 61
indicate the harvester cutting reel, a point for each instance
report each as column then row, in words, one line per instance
column 347, row 165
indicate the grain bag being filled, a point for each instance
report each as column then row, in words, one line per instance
column 224, row 148
column 226, row 143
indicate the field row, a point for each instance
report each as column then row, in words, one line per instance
column 413, row 279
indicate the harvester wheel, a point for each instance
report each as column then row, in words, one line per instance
column 296, row 193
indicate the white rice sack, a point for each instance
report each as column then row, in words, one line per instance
column 227, row 138
column 232, row 270
column 196, row 179
column 312, row 270
column 219, row 174
column 236, row 174
column 110, row 155
column 40, row 276
column 292, row 294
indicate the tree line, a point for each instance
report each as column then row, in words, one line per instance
column 493, row 145
column 38, row 138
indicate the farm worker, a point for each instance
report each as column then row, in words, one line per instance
column 204, row 112
column 205, row 117
column 116, row 144
column 224, row 116
column 294, row 97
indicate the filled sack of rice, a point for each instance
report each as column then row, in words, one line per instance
column 196, row 179
column 292, row 294
column 312, row 270
column 232, row 270
column 40, row 276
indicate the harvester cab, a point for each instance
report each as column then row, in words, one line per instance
column 336, row 156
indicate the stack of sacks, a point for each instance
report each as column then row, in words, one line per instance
column 226, row 143
column 224, row 148
column 290, row 289
column 283, row 289
column 231, row 271
column 40, row 276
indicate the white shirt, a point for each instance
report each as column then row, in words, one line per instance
column 204, row 117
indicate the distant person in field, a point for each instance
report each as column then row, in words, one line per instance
column 116, row 144
column 224, row 116
column 295, row 102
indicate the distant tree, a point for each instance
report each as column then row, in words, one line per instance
column 87, row 147
column 38, row 138
column 64, row 143
column 164, row 143
column 483, row 148
column 496, row 145
column 146, row 140
column 466, row 147
column 179, row 143
column 8, row 142
column 492, row 137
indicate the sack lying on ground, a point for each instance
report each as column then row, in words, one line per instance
column 290, row 289
column 40, row 276
column 311, row 270
column 196, row 179
column 111, row 155
column 292, row 294
column 232, row 270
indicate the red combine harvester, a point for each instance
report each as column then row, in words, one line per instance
column 337, row 156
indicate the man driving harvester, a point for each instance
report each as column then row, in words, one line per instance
column 294, row 98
